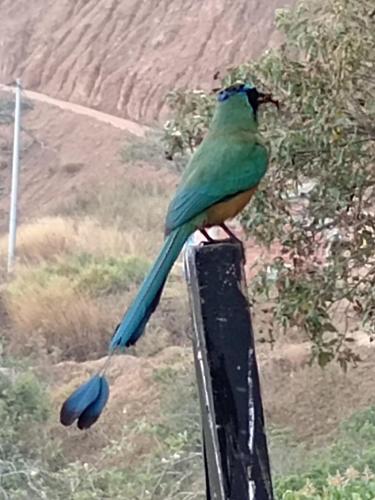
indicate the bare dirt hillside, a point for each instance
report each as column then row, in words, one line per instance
column 117, row 122
column 123, row 57
column 65, row 155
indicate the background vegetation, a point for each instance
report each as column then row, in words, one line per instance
column 77, row 270
column 317, row 202
column 34, row 466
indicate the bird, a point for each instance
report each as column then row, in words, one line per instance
column 218, row 182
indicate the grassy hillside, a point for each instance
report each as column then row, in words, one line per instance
column 76, row 271
column 158, row 456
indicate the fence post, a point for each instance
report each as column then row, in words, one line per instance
column 15, row 171
column 234, row 440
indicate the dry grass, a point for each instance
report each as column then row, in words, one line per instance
column 137, row 209
column 103, row 241
column 42, row 240
column 54, row 318
column 120, row 220
column 135, row 204
column 50, row 238
column 48, row 309
column 69, row 309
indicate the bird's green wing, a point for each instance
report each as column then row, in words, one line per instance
column 219, row 170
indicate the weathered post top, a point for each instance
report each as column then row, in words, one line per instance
column 235, row 447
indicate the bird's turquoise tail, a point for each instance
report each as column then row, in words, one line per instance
column 88, row 401
column 147, row 299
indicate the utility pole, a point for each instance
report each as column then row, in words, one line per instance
column 15, row 172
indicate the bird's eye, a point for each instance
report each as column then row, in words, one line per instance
column 222, row 95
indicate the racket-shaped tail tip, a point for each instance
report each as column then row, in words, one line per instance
column 93, row 411
column 86, row 403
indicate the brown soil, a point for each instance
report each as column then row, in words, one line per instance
column 65, row 155
column 135, row 395
column 307, row 401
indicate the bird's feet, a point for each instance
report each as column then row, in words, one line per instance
column 231, row 235
column 207, row 236
column 234, row 238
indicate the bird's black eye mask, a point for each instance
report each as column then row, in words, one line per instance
column 254, row 97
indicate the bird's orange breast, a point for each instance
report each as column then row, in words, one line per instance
column 219, row 213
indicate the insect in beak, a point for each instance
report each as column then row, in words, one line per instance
column 264, row 98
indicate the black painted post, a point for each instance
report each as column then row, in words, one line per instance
column 234, row 440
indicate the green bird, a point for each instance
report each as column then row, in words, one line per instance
column 217, row 184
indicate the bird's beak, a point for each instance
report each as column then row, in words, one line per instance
column 264, row 98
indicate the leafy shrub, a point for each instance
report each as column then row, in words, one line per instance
column 24, row 410
column 23, row 399
column 91, row 274
column 355, row 447
column 348, row 486
column 341, row 470
column 146, row 150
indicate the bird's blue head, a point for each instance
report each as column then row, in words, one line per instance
column 254, row 97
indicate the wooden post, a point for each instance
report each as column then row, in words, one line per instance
column 234, row 440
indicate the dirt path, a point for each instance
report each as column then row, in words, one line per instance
column 121, row 123
column 69, row 153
